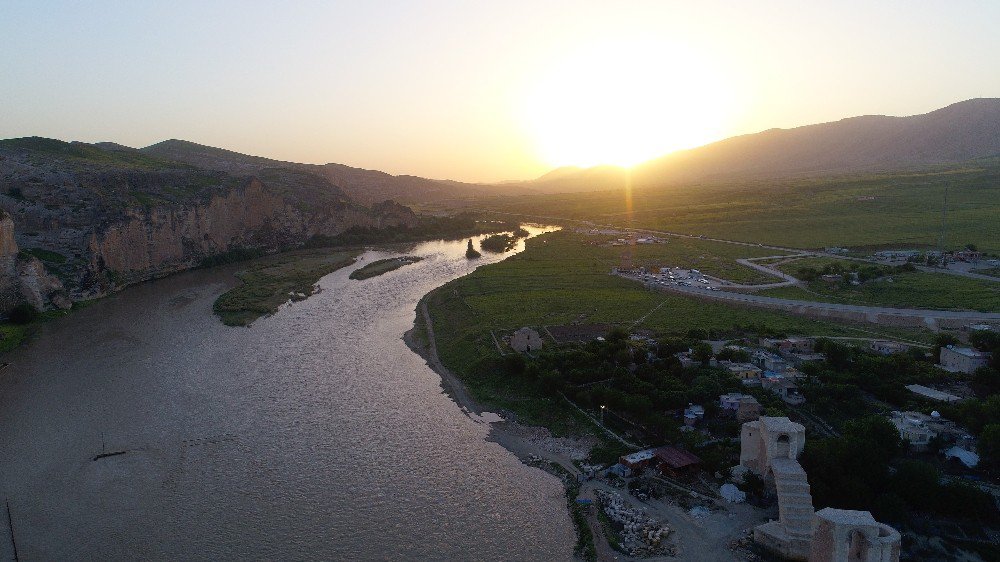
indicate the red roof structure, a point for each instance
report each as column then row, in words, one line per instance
column 675, row 459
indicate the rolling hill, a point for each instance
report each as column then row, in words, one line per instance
column 363, row 186
column 957, row 133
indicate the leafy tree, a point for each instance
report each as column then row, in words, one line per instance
column 23, row 313
column 736, row 355
column 942, row 340
column 986, row 382
column 849, row 471
column 514, row 363
column 617, row 334
column 989, row 445
column 697, row 334
column 668, row 346
column 702, row 352
column 551, row 382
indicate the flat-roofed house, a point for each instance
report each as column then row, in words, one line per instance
column 742, row 371
column 963, row 359
column 742, row 406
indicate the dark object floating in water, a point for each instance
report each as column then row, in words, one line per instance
column 112, row 454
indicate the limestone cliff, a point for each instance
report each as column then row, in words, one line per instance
column 23, row 278
column 100, row 219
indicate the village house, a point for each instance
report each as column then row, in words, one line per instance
column 746, row 372
column 801, row 358
column 785, row 388
column 742, row 406
column 693, row 414
column 912, row 429
column 790, row 346
column 674, row 462
column 687, row 361
column 768, row 361
column 638, row 461
column 887, row 347
column 963, row 359
column 932, row 393
column 525, row 340
column 919, row 429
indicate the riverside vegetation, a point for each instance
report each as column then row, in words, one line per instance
column 857, row 210
column 270, row 282
column 561, row 279
column 378, row 267
column 900, row 286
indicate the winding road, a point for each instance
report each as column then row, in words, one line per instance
column 874, row 314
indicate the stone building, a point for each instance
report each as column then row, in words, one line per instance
column 847, row 535
column 963, row 359
column 770, row 448
column 526, row 339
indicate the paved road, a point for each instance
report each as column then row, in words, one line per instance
column 872, row 312
column 740, row 243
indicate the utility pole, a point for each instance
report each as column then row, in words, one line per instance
column 10, row 523
column 943, row 239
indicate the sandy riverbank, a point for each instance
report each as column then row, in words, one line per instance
column 523, row 441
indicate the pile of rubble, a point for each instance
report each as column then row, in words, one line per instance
column 640, row 534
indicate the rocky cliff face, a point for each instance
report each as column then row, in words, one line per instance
column 23, row 278
column 102, row 219
column 155, row 242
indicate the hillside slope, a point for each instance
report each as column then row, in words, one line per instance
column 104, row 216
column 957, row 133
column 363, row 186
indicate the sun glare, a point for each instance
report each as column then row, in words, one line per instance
column 625, row 102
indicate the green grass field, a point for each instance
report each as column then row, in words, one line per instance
column 908, row 290
column 713, row 258
column 561, row 279
column 269, row 282
column 792, row 267
column 877, row 210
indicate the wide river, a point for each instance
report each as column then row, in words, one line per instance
column 314, row 434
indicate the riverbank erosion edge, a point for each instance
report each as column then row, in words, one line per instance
column 532, row 445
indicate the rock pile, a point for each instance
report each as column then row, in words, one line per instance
column 641, row 535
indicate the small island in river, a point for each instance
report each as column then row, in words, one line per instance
column 376, row 268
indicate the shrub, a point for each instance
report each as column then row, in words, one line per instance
column 23, row 313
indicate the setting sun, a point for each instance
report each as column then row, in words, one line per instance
column 625, row 102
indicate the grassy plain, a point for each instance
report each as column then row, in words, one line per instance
column 792, row 267
column 269, row 282
column 378, row 267
column 907, row 290
column 562, row 278
column 713, row 258
column 861, row 210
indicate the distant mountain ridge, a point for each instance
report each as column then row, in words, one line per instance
column 957, row 133
column 364, row 186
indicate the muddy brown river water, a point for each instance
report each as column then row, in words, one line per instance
column 315, row 434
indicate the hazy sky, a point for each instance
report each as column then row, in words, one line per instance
column 478, row 90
